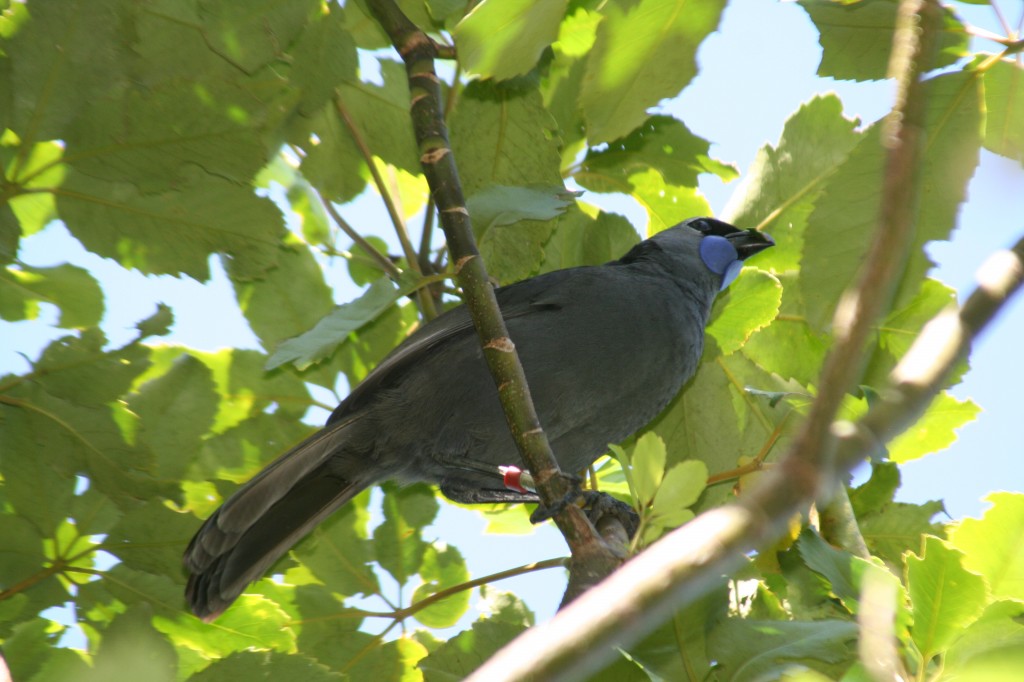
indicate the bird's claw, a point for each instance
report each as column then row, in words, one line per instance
column 542, row 513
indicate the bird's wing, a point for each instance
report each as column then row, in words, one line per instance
column 515, row 300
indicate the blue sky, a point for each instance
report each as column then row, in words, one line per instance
column 749, row 84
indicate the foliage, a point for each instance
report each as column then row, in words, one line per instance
column 156, row 132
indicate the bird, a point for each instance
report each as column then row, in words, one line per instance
column 604, row 348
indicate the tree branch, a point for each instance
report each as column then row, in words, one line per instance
column 591, row 559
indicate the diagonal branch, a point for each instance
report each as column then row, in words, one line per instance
column 418, row 51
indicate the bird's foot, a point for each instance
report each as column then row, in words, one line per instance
column 599, row 505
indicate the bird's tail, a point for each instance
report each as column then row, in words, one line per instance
column 263, row 519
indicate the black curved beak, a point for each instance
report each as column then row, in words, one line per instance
column 749, row 242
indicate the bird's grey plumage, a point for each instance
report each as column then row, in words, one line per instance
column 604, row 349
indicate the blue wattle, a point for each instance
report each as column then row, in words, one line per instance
column 731, row 272
column 720, row 256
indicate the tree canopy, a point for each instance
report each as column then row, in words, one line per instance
column 166, row 136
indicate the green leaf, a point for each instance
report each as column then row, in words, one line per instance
column 502, row 135
column 562, row 78
column 239, row 32
column 339, row 552
column 750, row 303
column 395, row 660
column 380, row 116
column 1004, row 109
column 994, row 545
column 42, row 170
column 841, row 227
column 363, row 268
column 77, row 369
column 132, row 649
column 245, row 666
column 853, row 578
column 366, row 348
column 754, row 650
column 332, row 330
column 333, row 163
column 666, row 204
column 324, row 56
column 678, row 649
column 898, row 527
column 41, row 55
column 132, row 587
column 153, row 138
column 443, row 567
column 901, row 327
column 22, row 556
column 399, row 545
column 680, row 489
column 717, row 421
column 466, row 651
column 643, row 53
column 783, row 183
column 788, row 347
column 647, row 463
column 176, row 231
column 68, row 287
column 663, row 144
column 157, row 324
column 151, row 537
column 945, row 596
column 39, row 491
column 513, row 224
column 998, row 630
column 856, row 38
column 833, row 564
column 504, row 38
column 579, row 239
column 681, row 486
column 245, row 390
column 935, row 430
column 288, row 300
column 878, row 491
column 498, row 205
column 172, row 427
column 10, row 231
column 330, row 632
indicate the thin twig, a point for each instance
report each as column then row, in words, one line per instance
column 381, row 259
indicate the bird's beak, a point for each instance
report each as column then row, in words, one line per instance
column 749, row 242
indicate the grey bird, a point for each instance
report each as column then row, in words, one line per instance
column 605, row 348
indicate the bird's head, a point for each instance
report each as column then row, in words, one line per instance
column 704, row 244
